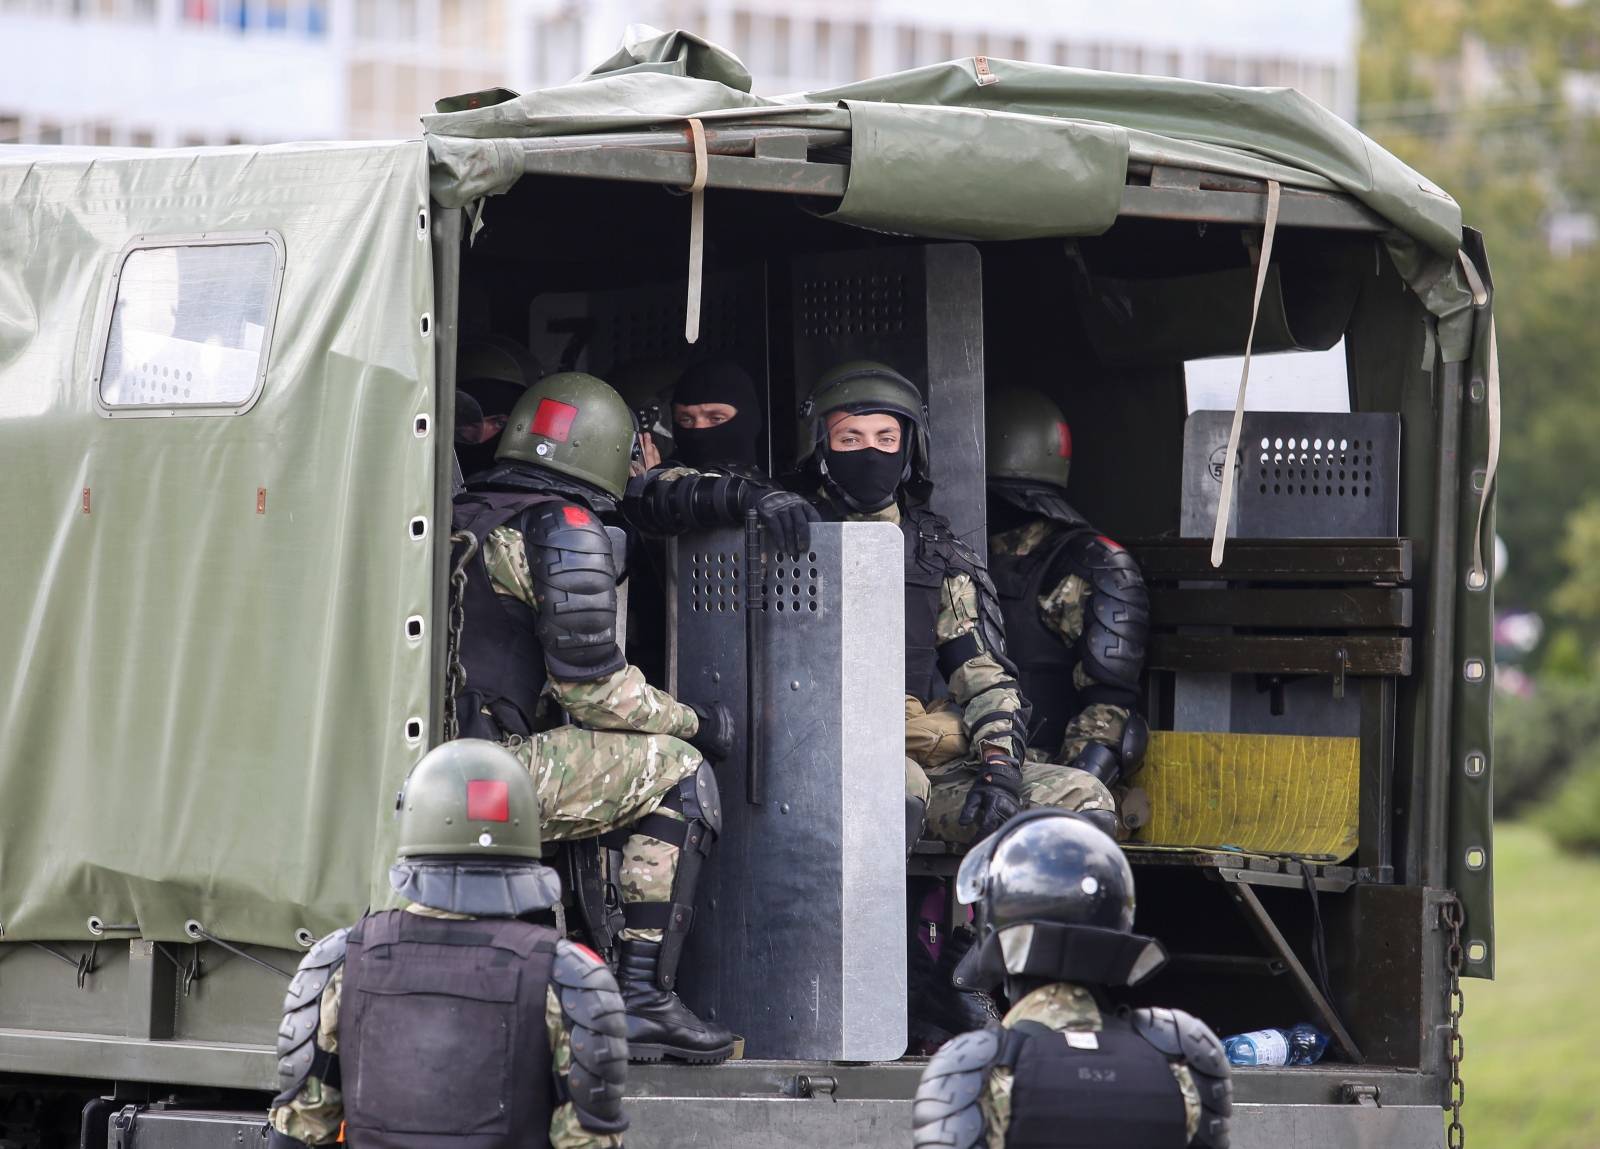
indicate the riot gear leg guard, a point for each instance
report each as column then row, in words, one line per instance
column 659, row 1024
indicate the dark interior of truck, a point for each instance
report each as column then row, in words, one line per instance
column 1307, row 629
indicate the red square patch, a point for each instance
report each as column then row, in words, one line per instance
column 577, row 516
column 553, row 419
column 487, row 801
column 1064, row 440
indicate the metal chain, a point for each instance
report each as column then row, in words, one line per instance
column 1454, row 917
column 455, row 675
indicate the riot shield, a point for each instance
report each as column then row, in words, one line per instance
column 799, row 937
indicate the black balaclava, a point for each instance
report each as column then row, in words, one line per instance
column 734, row 443
column 866, row 480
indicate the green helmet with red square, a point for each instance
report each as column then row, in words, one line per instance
column 573, row 424
column 469, row 797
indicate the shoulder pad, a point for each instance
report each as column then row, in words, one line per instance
column 947, row 1113
column 302, row 1012
column 596, row 1019
column 568, row 527
column 1203, row 1053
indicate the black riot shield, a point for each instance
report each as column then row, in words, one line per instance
column 799, row 935
column 920, row 310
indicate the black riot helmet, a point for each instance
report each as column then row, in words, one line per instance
column 1054, row 897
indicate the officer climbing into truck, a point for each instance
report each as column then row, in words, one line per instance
column 1055, row 904
column 466, row 994
column 1077, row 614
column 625, row 774
column 865, row 444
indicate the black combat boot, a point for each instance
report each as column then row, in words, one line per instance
column 939, row 1011
column 659, row 1024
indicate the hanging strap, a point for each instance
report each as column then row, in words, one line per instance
column 1479, row 577
column 1219, row 536
column 697, row 232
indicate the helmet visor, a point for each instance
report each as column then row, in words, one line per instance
column 972, row 880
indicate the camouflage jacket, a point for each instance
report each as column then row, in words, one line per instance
column 985, row 690
column 315, row 1115
column 621, row 701
column 1062, row 608
column 1064, row 1006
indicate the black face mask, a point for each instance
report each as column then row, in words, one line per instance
column 867, row 479
column 735, row 442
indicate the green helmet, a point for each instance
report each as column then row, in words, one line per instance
column 573, row 424
column 864, row 387
column 1026, row 438
column 469, row 797
column 495, row 358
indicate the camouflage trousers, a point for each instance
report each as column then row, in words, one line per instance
column 1043, row 784
column 594, row 781
column 940, row 770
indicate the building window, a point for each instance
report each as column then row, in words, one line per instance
column 191, row 324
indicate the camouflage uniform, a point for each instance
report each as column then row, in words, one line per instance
column 624, row 752
column 1063, row 1006
column 944, row 741
column 1062, row 610
column 315, row 1115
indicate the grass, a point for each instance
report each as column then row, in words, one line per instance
column 1532, row 1064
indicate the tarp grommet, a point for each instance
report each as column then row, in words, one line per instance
column 425, row 324
column 421, row 425
column 413, row 730
column 419, row 527
column 305, row 937
column 414, row 627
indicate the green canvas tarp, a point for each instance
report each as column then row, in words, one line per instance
column 204, row 670
column 996, row 149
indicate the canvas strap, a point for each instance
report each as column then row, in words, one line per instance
column 1219, row 535
column 1479, row 576
column 697, row 232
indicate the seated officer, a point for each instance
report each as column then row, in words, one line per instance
column 1076, row 610
column 463, row 1016
column 716, row 415
column 866, row 452
column 1055, row 911
column 867, row 459
column 539, row 641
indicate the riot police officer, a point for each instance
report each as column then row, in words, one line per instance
column 865, row 444
column 492, row 372
column 618, row 762
column 1055, row 914
column 865, row 439
column 716, row 413
column 1077, row 614
column 462, row 1018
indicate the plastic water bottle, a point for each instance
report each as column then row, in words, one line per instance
column 1302, row 1045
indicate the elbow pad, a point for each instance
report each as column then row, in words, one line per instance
column 662, row 506
column 575, row 583
column 595, row 1016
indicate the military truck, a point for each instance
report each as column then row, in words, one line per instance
column 226, row 420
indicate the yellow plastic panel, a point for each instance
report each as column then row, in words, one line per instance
column 1264, row 793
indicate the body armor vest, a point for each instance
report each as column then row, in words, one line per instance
column 1044, row 662
column 442, row 1036
column 1121, row 1093
column 499, row 645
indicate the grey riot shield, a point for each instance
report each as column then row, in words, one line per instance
column 799, row 938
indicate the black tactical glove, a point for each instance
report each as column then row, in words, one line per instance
column 787, row 517
column 995, row 797
column 714, row 738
